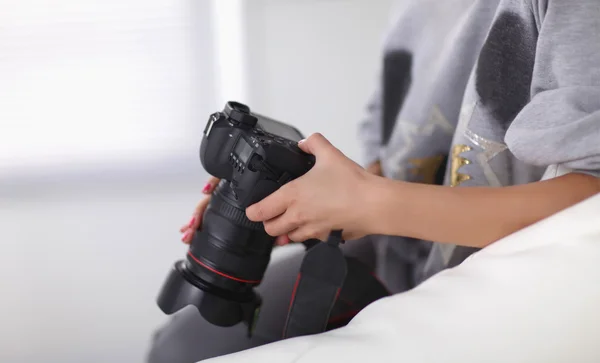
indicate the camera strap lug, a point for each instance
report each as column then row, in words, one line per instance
column 212, row 120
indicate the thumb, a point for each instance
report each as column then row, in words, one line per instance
column 315, row 144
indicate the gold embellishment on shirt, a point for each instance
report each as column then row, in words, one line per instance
column 406, row 139
column 489, row 150
column 426, row 168
column 457, row 162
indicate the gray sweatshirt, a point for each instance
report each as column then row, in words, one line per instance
column 509, row 90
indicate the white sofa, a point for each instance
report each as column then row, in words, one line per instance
column 533, row 296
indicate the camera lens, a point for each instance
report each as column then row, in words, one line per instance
column 227, row 258
column 230, row 251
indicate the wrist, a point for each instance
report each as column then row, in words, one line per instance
column 377, row 204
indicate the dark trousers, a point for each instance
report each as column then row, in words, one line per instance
column 187, row 337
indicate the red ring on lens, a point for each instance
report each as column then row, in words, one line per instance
column 221, row 273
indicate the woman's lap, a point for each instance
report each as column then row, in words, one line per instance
column 187, row 337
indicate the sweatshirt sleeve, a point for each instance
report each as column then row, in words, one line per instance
column 560, row 126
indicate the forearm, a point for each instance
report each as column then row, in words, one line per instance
column 475, row 216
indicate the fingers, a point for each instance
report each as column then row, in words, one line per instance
column 270, row 207
column 315, row 144
column 195, row 222
column 282, row 240
column 189, row 228
column 189, row 225
column 188, row 236
column 281, row 225
column 186, row 226
column 210, row 185
column 305, row 233
column 199, row 212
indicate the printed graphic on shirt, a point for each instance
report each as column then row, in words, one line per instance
column 499, row 89
column 397, row 69
column 415, row 161
column 505, row 67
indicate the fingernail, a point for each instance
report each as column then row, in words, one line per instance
column 206, row 188
column 185, row 236
column 192, row 221
column 301, row 141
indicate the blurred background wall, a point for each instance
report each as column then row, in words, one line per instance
column 102, row 104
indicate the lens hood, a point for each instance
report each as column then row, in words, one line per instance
column 182, row 288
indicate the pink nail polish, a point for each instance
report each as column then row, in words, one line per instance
column 301, row 141
column 185, row 236
column 192, row 221
column 206, row 188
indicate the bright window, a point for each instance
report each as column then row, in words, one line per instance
column 101, row 80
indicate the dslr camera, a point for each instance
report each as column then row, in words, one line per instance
column 254, row 156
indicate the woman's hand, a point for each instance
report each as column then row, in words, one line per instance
column 190, row 228
column 330, row 196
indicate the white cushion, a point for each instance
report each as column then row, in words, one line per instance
column 533, row 296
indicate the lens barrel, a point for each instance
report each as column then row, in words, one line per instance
column 226, row 259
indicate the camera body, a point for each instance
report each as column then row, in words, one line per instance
column 253, row 156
